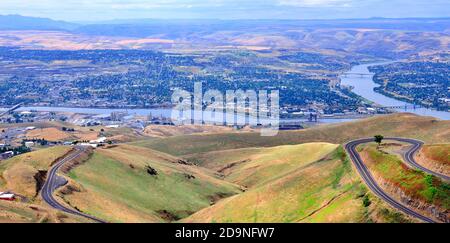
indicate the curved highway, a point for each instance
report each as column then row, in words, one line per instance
column 372, row 184
column 53, row 182
column 409, row 156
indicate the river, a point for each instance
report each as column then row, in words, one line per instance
column 364, row 86
column 157, row 112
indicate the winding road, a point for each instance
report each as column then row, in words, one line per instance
column 54, row 181
column 372, row 184
column 408, row 157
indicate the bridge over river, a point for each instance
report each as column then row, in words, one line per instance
column 405, row 107
column 346, row 75
column 361, row 79
column 9, row 110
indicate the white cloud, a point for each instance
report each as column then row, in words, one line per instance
column 316, row 3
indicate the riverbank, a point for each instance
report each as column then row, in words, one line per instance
column 365, row 86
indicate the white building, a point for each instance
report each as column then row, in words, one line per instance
column 29, row 144
column 26, row 113
column 7, row 155
column 89, row 144
column 99, row 140
column 7, row 196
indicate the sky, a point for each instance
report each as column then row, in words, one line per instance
column 98, row 10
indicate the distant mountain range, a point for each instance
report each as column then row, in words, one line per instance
column 18, row 22
column 147, row 27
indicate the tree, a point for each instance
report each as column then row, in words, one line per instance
column 379, row 139
column 366, row 201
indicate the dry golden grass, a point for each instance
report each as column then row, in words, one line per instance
column 263, row 41
column 59, row 40
column 53, row 131
column 49, row 134
column 408, row 125
column 17, row 212
column 20, row 179
column 89, row 135
column 435, row 157
column 140, row 43
column 169, row 131
column 17, row 174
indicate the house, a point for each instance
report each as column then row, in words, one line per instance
column 6, row 155
column 362, row 110
column 89, row 144
column 26, row 113
column 371, row 110
column 298, row 113
column 7, row 196
column 98, row 141
column 29, row 144
column 445, row 100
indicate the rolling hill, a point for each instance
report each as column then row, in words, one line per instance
column 426, row 193
column 303, row 183
column 297, row 176
column 170, row 131
column 256, row 166
column 19, row 212
column 142, row 185
column 427, row 129
column 24, row 175
column 435, row 157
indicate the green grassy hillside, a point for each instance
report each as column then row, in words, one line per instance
column 316, row 184
column 416, row 184
column 256, row 166
column 114, row 184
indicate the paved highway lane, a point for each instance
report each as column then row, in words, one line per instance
column 372, row 184
column 409, row 157
column 53, row 182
